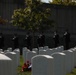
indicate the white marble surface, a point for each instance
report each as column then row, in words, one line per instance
column 13, row 56
column 46, row 47
column 72, row 59
column 68, row 60
column 10, row 49
column 25, row 50
column 36, row 50
column 1, row 50
column 74, row 50
column 41, row 48
column 6, row 51
column 42, row 65
column 59, row 63
column 29, row 55
column 60, row 48
column 5, row 65
column 51, row 51
column 42, row 52
column 17, row 51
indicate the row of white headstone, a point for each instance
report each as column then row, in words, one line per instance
column 27, row 54
column 9, row 61
column 57, row 63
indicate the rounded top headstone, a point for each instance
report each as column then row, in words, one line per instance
column 35, row 49
column 4, row 57
column 43, row 56
column 58, row 53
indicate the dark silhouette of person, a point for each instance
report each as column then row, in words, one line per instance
column 15, row 41
column 28, row 41
column 1, row 41
column 67, row 39
column 41, row 40
column 56, row 39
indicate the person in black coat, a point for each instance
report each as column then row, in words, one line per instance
column 28, row 41
column 67, row 39
column 1, row 41
column 41, row 40
column 15, row 41
column 56, row 39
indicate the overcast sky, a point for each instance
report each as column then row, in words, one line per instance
column 46, row 1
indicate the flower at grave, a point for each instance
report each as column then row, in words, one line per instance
column 26, row 67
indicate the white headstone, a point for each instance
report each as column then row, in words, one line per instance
column 72, row 56
column 72, row 59
column 17, row 51
column 13, row 56
column 10, row 49
column 74, row 50
column 36, row 50
column 42, row 65
column 42, row 52
column 29, row 55
column 68, row 60
column 25, row 50
column 46, row 47
column 60, row 48
column 41, row 48
column 57, row 49
column 51, row 51
column 59, row 63
column 1, row 50
column 5, row 65
column 6, row 51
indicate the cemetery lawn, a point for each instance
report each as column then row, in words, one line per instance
column 20, row 67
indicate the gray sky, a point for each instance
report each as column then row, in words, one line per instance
column 46, row 1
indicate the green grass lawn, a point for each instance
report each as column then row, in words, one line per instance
column 29, row 73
